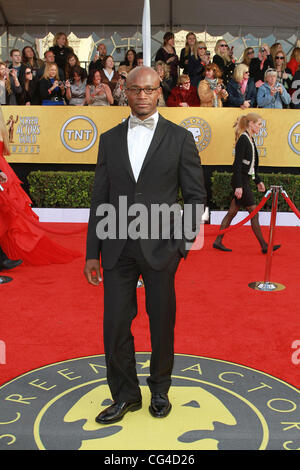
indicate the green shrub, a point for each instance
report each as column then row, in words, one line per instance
column 61, row 188
column 74, row 189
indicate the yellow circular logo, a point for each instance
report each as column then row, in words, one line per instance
column 294, row 138
column 215, row 405
column 200, row 129
column 79, row 134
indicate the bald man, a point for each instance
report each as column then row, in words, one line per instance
column 143, row 161
column 97, row 62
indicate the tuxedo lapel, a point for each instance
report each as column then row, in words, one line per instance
column 159, row 133
column 124, row 147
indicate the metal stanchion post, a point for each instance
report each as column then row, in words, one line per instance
column 267, row 285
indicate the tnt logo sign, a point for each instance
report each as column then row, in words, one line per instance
column 2, row 352
column 79, row 134
column 294, row 138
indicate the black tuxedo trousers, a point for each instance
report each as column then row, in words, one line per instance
column 120, row 308
column 172, row 162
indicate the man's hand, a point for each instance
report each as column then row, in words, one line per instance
column 3, row 177
column 92, row 272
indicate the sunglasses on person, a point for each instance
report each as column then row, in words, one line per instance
column 279, row 57
column 223, row 45
column 28, row 73
column 250, row 52
column 202, row 47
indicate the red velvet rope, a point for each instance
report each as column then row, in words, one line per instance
column 245, row 220
column 291, row 204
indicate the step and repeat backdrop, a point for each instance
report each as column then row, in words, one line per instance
column 66, row 134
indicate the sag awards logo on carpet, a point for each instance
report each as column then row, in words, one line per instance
column 216, row 405
column 78, row 134
column 200, row 130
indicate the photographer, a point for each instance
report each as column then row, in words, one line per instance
column 51, row 89
column 260, row 64
column 9, row 85
column 76, row 87
column 211, row 90
column 98, row 93
column 272, row 94
column 119, row 94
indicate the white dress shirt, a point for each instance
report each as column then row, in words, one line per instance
column 138, row 140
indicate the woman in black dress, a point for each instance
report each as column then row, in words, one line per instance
column 245, row 167
column 167, row 54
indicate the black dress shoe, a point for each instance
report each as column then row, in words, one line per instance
column 160, row 405
column 9, row 263
column 220, row 246
column 116, row 411
column 275, row 247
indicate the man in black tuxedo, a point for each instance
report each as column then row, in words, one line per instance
column 145, row 159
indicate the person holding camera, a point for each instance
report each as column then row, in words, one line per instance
column 9, row 85
column 272, row 94
column 51, row 89
column 119, row 93
column 76, row 87
column 260, row 64
column 100, row 53
column 98, row 93
column 211, row 90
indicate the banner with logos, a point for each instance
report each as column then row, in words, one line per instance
column 70, row 134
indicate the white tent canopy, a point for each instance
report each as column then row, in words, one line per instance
column 238, row 17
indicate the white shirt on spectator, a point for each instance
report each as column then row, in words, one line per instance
column 109, row 75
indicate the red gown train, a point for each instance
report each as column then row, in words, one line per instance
column 20, row 239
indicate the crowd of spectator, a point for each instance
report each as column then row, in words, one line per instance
column 195, row 78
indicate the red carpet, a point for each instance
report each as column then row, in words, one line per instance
column 50, row 314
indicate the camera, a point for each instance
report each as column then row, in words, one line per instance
column 263, row 49
column 123, row 76
column 208, row 53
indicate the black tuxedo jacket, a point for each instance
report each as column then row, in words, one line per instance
column 172, row 161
